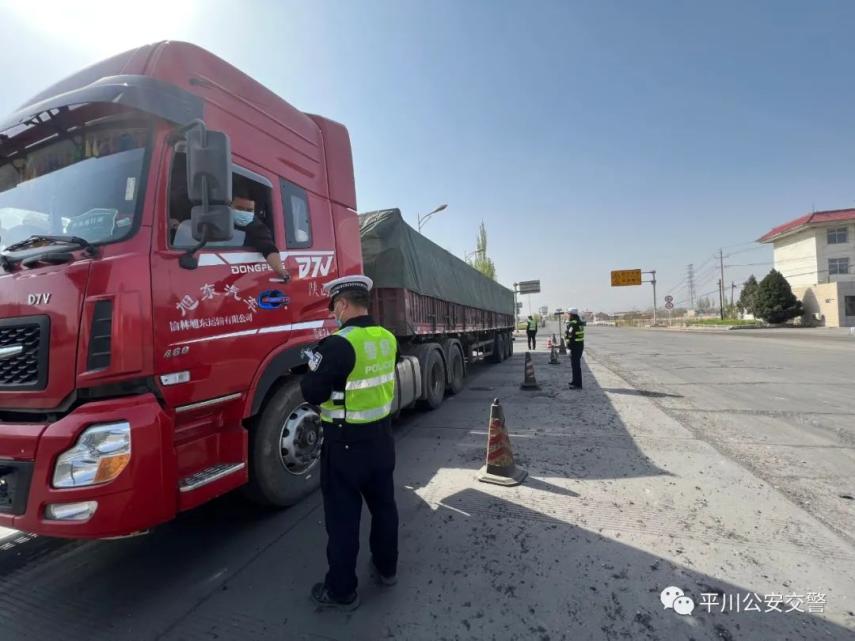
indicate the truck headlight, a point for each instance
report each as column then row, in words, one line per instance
column 100, row 455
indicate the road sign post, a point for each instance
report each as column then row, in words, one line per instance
column 527, row 287
column 629, row 277
column 626, row 277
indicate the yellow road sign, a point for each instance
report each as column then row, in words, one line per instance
column 625, row 277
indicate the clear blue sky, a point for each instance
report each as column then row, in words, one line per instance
column 587, row 135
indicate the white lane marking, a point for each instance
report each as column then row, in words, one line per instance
column 5, row 533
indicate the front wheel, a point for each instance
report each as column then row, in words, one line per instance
column 285, row 449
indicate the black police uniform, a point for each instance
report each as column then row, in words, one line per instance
column 357, row 461
column 575, row 326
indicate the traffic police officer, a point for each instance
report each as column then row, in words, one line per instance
column 352, row 378
column 575, row 335
column 531, row 332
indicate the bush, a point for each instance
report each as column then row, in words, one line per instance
column 746, row 298
column 774, row 300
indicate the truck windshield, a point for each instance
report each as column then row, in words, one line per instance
column 83, row 182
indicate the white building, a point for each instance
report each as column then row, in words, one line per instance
column 816, row 254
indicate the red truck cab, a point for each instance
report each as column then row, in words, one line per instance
column 127, row 378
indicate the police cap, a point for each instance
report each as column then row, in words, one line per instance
column 347, row 283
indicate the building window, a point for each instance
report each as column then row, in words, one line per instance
column 850, row 305
column 838, row 266
column 838, row 235
column 298, row 224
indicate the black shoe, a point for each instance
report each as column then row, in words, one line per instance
column 382, row 579
column 574, row 386
column 323, row 599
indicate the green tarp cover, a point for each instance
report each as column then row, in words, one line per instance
column 396, row 256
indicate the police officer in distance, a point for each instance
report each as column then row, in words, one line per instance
column 352, row 378
column 531, row 332
column 575, row 337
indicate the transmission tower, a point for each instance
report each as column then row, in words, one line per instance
column 691, row 279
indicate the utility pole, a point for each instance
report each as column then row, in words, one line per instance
column 732, row 289
column 691, row 279
column 652, row 273
column 721, row 282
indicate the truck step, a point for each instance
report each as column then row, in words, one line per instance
column 209, row 475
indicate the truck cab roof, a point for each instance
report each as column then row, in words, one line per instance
column 321, row 146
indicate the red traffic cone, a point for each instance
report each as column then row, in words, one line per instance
column 500, row 468
column 529, row 381
column 553, row 356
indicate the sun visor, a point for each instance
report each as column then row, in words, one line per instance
column 136, row 92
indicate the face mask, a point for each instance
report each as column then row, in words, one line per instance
column 242, row 218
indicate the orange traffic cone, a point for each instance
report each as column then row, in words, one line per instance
column 529, row 382
column 562, row 348
column 500, row 468
column 553, row 356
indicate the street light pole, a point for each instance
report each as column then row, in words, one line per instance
column 424, row 218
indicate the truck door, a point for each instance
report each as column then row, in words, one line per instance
column 215, row 324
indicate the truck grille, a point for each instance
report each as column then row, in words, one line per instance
column 24, row 353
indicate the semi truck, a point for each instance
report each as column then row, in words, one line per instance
column 149, row 360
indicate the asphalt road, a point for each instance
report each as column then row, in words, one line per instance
column 648, row 478
column 781, row 402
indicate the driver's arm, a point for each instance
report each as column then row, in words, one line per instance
column 259, row 236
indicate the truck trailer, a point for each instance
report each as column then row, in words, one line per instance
column 149, row 361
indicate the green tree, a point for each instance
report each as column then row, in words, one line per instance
column 481, row 261
column 704, row 304
column 745, row 304
column 774, row 301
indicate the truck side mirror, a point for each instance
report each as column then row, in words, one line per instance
column 209, row 186
column 212, row 225
column 209, row 167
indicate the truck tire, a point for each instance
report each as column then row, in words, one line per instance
column 285, row 449
column 509, row 342
column 498, row 347
column 455, row 369
column 434, row 382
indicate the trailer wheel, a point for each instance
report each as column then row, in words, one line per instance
column 285, row 450
column 434, row 381
column 509, row 343
column 456, row 369
column 498, row 349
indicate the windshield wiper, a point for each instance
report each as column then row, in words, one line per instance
column 84, row 244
